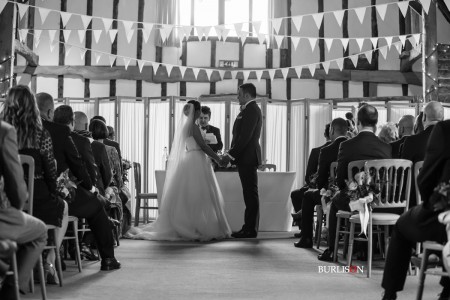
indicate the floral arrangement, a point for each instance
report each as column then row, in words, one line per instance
column 126, row 165
column 65, row 187
column 441, row 197
column 313, row 180
column 328, row 194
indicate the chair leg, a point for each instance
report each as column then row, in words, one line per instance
column 350, row 244
column 15, row 275
column 319, row 226
column 77, row 245
column 136, row 211
column 383, row 253
column 369, row 250
column 42, row 278
column 423, row 267
column 336, row 240
column 58, row 260
column 347, row 228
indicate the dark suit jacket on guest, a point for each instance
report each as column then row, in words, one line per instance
column 245, row 147
column 104, row 167
column 84, row 149
column 328, row 155
column 396, row 147
column 365, row 146
column 313, row 161
column 415, row 146
column 216, row 131
column 66, row 154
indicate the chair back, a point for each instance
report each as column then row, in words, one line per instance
column 392, row 174
column 28, row 166
column 333, row 168
column 137, row 177
column 354, row 167
column 417, row 167
column 268, row 167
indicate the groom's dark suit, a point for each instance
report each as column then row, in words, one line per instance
column 246, row 151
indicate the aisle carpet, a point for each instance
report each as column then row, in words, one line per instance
column 269, row 267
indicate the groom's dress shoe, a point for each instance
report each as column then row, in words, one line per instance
column 327, row 255
column 244, row 234
column 109, row 264
column 304, row 243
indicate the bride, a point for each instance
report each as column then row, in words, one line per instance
column 191, row 203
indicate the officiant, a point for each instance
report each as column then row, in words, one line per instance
column 213, row 138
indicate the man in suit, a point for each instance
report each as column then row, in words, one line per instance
column 245, row 151
column 204, row 119
column 86, row 204
column 405, row 129
column 29, row 232
column 328, row 154
column 365, row 146
column 104, row 174
column 414, row 147
column 420, row 223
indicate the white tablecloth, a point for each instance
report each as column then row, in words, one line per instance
column 274, row 198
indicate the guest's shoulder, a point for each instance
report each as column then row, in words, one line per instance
column 56, row 128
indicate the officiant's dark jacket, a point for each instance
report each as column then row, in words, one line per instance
column 396, row 147
column 365, row 146
column 83, row 146
column 66, row 154
column 216, row 132
column 245, row 147
column 327, row 155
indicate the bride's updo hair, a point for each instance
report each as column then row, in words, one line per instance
column 196, row 104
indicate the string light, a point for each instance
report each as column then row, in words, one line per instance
column 5, row 59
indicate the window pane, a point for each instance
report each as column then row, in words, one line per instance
column 260, row 12
column 185, row 12
column 236, row 11
column 206, row 12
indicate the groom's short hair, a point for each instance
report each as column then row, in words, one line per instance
column 248, row 88
column 206, row 111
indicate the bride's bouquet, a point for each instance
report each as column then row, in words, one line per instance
column 65, row 187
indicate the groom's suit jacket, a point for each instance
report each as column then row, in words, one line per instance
column 245, row 147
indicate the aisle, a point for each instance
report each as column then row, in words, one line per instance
column 269, row 267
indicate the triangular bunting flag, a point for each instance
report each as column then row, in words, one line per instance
column 81, row 35
column 297, row 22
column 271, row 73
column 43, row 13
column 298, row 70
column 155, row 66
column 403, row 6
column 97, row 34
column 417, row 37
column 37, row 37
column 126, row 62
column 82, row 53
column 23, row 34
column 65, row 17
column 402, row 39
column 112, row 59
column 318, row 19
column 374, row 42
column 127, row 26
column 107, row 23
column 243, row 36
column 344, row 43
column 206, row 31
column 398, row 47
column 167, row 30
column 130, row 35
column 22, row 9
column 368, row 55
column 182, row 71
column 295, row 40
column 276, row 24
column 259, row 74
column 196, row 71
column 426, row 5
column 381, row 9
column 285, row 72
column 329, row 43
column 261, row 38
column 354, row 59
column 85, row 20
column 186, row 31
column 141, row 64
column 360, row 43
column 388, row 40
column 163, row 35
column 360, row 12
column 383, row 51
column 233, row 74
column 225, row 33
column 66, row 34
column 257, row 26
column 339, row 15
column 112, row 35
column 208, row 73
column 97, row 56
column 52, row 46
column 312, row 69
column 51, row 35
column 67, row 49
column 218, row 30
column 245, row 74
column 340, row 63
column 279, row 39
column 312, row 42
column 169, row 69
column 326, row 66
column 146, row 31
column 221, row 74
column 199, row 30
column 238, row 28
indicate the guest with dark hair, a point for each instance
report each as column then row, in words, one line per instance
column 111, row 133
column 107, row 141
column 22, row 112
column 204, row 119
column 29, row 232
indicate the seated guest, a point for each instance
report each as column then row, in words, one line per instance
column 107, row 141
column 388, row 133
column 111, row 133
column 311, row 169
column 420, row 223
column 204, row 119
column 365, row 146
column 418, row 123
column 351, row 123
column 328, row 154
column 29, row 232
column 98, row 149
column 21, row 112
column 86, row 204
column 414, row 147
column 405, row 129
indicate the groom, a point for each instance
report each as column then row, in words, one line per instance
column 246, row 153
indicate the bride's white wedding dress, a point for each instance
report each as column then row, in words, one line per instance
column 191, row 203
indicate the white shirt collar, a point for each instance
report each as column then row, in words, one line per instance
column 245, row 105
column 366, row 130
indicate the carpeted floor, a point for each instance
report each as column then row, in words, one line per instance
column 269, row 267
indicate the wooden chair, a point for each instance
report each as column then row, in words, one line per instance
column 28, row 161
column 74, row 221
column 428, row 248
column 321, row 211
column 141, row 196
column 268, row 167
column 394, row 173
column 11, row 256
column 417, row 167
column 353, row 166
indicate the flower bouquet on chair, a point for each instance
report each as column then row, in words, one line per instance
column 126, row 165
column 328, row 194
column 65, row 187
column 364, row 194
column 440, row 198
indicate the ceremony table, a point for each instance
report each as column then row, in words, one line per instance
column 274, row 198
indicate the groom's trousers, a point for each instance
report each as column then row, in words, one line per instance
column 249, row 180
